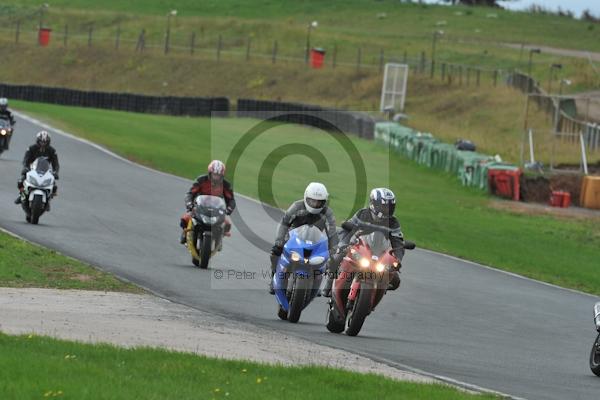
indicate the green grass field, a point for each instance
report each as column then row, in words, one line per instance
column 38, row 367
column 434, row 209
column 471, row 35
column 26, row 265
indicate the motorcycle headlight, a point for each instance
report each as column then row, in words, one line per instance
column 364, row 262
column 47, row 182
column 380, row 267
column 295, row 256
column 208, row 220
column 3, row 132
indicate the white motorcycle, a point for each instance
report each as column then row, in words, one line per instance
column 37, row 190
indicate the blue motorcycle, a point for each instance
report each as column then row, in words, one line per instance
column 300, row 271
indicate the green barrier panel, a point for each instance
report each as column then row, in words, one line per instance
column 469, row 167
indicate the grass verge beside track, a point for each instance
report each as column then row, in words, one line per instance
column 108, row 372
column 434, row 209
column 26, row 265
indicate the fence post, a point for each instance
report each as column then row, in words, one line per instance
column 422, row 62
column 90, row 33
column 358, row 58
column 443, row 72
column 66, row 36
column 432, row 72
column 468, row 76
column 118, row 38
column 450, row 73
column 381, row 60
column 219, row 47
column 495, row 77
column 478, row 76
column 192, row 43
column 141, row 43
column 248, row 48
column 17, row 31
column 460, row 75
column 274, row 55
column 334, row 56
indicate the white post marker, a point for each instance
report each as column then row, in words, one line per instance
column 583, row 156
column 393, row 91
column 531, row 157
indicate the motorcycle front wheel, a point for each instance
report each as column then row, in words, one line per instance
column 37, row 208
column 359, row 312
column 205, row 250
column 595, row 357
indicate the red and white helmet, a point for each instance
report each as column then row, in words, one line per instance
column 216, row 168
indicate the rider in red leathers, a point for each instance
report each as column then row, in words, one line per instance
column 215, row 184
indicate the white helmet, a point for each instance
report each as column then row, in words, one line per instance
column 3, row 103
column 315, row 197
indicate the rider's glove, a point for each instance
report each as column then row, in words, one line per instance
column 229, row 210
column 277, row 250
column 189, row 206
column 56, row 175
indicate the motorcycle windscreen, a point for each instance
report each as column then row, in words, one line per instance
column 4, row 124
column 377, row 242
column 41, row 166
column 209, row 201
column 309, row 234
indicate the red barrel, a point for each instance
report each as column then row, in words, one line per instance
column 44, row 36
column 560, row 198
column 505, row 183
column 317, row 57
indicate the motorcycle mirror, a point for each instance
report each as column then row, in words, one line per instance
column 409, row 245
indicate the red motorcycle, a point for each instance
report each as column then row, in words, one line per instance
column 363, row 278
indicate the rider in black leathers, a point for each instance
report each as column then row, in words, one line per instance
column 41, row 148
column 5, row 112
column 382, row 204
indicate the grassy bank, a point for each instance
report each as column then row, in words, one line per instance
column 472, row 35
column 434, row 209
column 26, row 265
column 490, row 117
column 38, row 367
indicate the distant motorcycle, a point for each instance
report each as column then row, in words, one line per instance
column 363, row 278
column 37, row 190
column 300, row 270
column 205, row 229
column 595, row 353
column 6, row 131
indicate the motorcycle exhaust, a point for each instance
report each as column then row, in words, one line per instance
column 597, row 316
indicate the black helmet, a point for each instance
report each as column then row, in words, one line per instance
column 382, row 203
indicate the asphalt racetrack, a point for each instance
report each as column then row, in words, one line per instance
column 450, row 318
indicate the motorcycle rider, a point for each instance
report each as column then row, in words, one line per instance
column 382, row 204
column 41, row 148
column 5, row 112
column 215, row 184
column 313, row 210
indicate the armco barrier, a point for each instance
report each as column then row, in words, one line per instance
column 192, row 106
column 360, row 124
